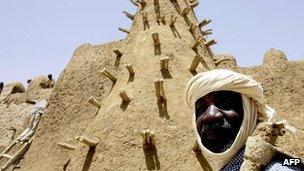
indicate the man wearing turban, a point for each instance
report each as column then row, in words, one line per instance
column 227, row 108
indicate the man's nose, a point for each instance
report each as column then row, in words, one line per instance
column 213, row 114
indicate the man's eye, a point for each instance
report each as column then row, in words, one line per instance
column 224, row 105
column 200, row 111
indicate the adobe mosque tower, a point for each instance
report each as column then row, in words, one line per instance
column 120, row 105
column 137, row 84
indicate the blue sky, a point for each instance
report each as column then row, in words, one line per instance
column 39, row 37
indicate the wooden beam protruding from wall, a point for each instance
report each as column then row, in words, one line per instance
column 134, row 3
column 145, row 19
column 163, row 19
column 185, row 11
column 194, row 3
column 172, row 22
column 142, row 4
column 157, row 45
column 192, row 27
column 207, row 32
column 204, row 23
column 107, row 74
column 118, row 54
column 156, row 7
column 210, row 43
column 124, row 30
column 94, row 102
column 159, row 90
column 164, row 64
column 194, row 64
column 158, row 18
column 195, row 147
column 196, row 42
column 129, row 15
column 125, row 98
column 91, row 142
column 66, row 146
column 148, row 137
column 156, row 40
column 130, row 69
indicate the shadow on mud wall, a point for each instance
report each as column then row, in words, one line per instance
column 203, row 162
column 89, row 159
column 163, row 109
column 151, row 156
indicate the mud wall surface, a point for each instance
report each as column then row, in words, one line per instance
column 284, row 86
column 13, row 120
column 69, row 112
column 15, row 109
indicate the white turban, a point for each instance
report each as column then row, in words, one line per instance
column 254, row 106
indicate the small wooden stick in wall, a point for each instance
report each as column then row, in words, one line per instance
column 196, row 42
column 91, row 142
column 118, row 56
column 94, row 102
column 156, row 40
column 195, row 147
column 194, row 64
column 204, row 22
column 107, row 74
column 158, row 18
column 124, row 30
column 163, row 20
column 162, row 90
column 210, row 43
column 148, row 137
column 142, row 4
column 130, row 69
column 194, row 4
column 124, row 96
column 144, row 136
column 207, row 32
column 156, row 7
column 192, row 27
column 152, row 137
column 67, row 146
column 164, row 64
column 157, row 90
column 118, row 52
column 134, row 3
column 185, row 11
column 129, row 15
column 172, row 21
column 145, row 19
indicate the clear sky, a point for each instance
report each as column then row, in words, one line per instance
column 39, row 37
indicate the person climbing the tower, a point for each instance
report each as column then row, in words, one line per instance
column 50, row 76
column 51, row 82
column 227, row 107
column 35, row 117
column 1, row 86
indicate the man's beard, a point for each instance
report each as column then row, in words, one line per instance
column 227, row 133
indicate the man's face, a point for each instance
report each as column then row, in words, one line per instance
column 219, row 116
